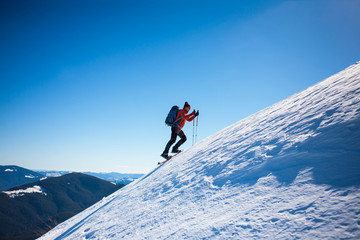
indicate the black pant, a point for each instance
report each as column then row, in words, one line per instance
column 175, row 131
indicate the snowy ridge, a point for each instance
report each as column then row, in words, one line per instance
column 289, row 171
column 12, row 176
column 22, row 192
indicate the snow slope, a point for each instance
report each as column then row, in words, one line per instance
column 289, row 171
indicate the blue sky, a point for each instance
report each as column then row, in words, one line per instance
column 86, row 85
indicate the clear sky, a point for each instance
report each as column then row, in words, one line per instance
column 86, row 85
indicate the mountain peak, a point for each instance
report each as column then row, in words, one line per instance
column 288, row 171
column 11, row 176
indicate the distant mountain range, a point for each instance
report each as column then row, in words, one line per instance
column 12, row 176
column 36, row 201
column 29, row 211
column 120, row 178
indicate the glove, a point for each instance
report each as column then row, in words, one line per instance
column 193, row 112
column 197, row 113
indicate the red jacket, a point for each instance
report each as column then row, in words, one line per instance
column 181, row 117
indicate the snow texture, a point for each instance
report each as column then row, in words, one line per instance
column 290, row 171
column 22, row 192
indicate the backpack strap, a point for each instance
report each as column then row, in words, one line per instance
column 177, row 120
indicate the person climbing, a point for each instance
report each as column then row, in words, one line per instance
column 176, row 129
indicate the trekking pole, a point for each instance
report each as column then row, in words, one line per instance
column 193, row 132
column 197, row 123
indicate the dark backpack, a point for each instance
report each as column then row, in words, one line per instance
column 171, row 117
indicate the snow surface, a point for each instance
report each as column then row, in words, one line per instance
column 22, row 192
column 290, row 171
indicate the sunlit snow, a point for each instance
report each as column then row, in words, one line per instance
column 290, row 171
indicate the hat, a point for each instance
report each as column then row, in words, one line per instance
column 186, row 105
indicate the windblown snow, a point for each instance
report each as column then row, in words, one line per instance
column 290, row 171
